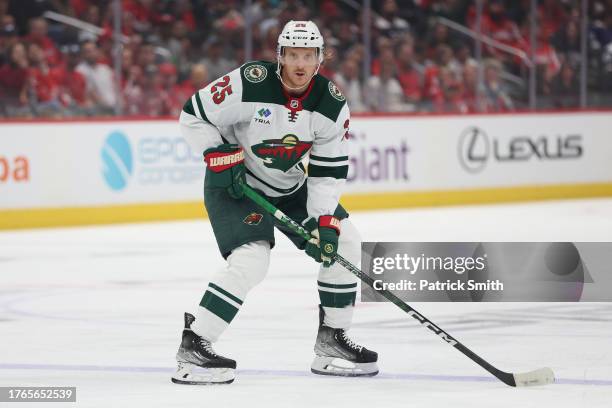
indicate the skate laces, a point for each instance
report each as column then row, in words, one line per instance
column 349, row 342
column 207, row 346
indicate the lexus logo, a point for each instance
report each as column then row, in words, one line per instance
column 474, row 149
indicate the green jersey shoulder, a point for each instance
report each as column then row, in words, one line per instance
column 261, row 84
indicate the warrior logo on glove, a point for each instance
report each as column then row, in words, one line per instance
column 219, row 162
column 225, row 168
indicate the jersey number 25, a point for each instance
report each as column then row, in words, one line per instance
column 218, row 96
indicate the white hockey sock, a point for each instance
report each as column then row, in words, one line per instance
column 337, row 286
column 246, row 267
column 338, row 318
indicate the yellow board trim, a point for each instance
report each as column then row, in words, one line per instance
column 113, row 214
column 474, row 196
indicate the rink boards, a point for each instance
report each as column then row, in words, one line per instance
column 88, row 172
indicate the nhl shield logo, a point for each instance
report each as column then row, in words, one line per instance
column 335, row 92
column 255, row 73
column 253, row 219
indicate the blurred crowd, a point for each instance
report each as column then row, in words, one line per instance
column 418, row 64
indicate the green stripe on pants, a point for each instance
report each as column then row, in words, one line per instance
column 218, row 306
column 331, row 299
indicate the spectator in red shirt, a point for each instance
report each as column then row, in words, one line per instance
column 547, row 61
column 409, row 75
column 153, row 94
column 183, row 11
column 173, row 101
column 383, row 46
column 433, row 88
column 132, row 90
column 551, row 15
column 144, row 13
column 38, row 29
column 14, row 81
column 143, row 94
column 73, row 87
column 496, row 24
column 452, row 91
column 44, row 83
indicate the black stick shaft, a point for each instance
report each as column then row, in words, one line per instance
column 507, row 378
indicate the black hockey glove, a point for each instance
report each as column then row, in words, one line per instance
column 327, row 232
column 225, row 168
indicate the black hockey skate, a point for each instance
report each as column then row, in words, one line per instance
column 337, row 354
column 198, row 363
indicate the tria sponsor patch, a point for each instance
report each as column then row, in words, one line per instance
column 263, row 116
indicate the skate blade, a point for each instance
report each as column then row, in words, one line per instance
column 342, row 368
column 193, row 375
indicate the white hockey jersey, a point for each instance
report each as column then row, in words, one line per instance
column 278, row 132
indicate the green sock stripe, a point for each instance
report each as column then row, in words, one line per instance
column 338, row 172
column 218, row 306
column 333, row 286
column 329, row 159
column 225, row 292
column 331, row 299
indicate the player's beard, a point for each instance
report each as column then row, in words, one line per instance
column 297, row 83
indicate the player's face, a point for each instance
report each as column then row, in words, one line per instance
column 299, row 65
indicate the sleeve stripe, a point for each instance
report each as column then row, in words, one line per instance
column 329, row 159
column 202, row 116
column 337, row 172
column 188, row 107
column 195, row 106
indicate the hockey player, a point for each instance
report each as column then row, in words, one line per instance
column 257, row 125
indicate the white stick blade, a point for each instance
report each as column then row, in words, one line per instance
column 540, row 376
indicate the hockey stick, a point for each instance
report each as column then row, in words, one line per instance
column 540, row 376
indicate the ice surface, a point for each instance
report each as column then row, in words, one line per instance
column 100, row 308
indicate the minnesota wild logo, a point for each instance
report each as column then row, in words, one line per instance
column 281, row 154
column 335, row 92
column 253, row 219
column 255, row 73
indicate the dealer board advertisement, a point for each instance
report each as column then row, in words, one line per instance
column 101, row 163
